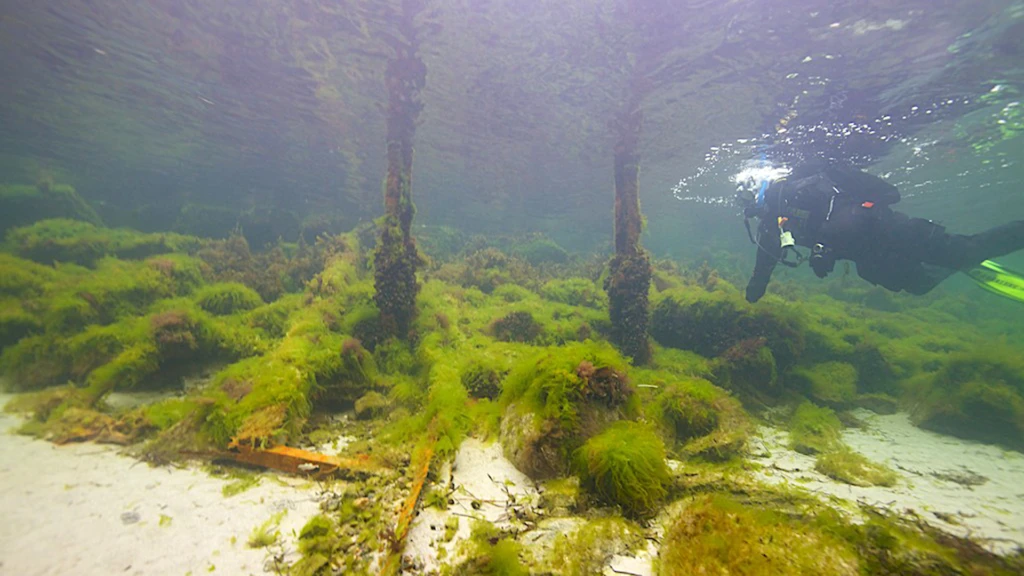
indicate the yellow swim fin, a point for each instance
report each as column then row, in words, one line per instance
column 998, row 279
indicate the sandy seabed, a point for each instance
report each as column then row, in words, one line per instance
column 86, row 510
column 963, row 487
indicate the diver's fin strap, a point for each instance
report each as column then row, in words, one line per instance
column 998, row 280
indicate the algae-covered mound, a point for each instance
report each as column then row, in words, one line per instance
column 832, row 383
column 539, row 250
column 588, row 548
column 84, row 243
column 228, row 298
column 559, row 397
column 487, row 269
column 575, row 292
column 748, row 368
column 483, row 378
column 977, row 395
column 23, row 205
column 491, row 553
column 717, row 535
column 847, row 466
column 624, row 466
column 516, row 326
column 268, row 398
column 710, row 323
column 703, row 420
column 121, row 324
column 814, row 430
column 128, row 323
column 784, row 534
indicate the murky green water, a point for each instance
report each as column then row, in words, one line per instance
column 249, row 294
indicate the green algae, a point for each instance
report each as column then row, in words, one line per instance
column 228, row 298
column 490, row 553
column 710, row 323
column 539, row 251
column 832, row 383
column 748, row 368
column 850, row 467
column 699, row 419
column 559, row 397
column 487, row 269
column 977, row 394
column 21, row 278
column 687, row 409
column 240, row 484
column 484, row 378
column 516, row 327
column 575, row 292
column 24, row 205
column 587, row 549
column 79, row 242
column 16, row 322
column 371, row 405
column 551, row 382
column 624, row 466
column 266, row 534
column 552, row 398
column 814, row 430
column 888, row 543
column 718, row 535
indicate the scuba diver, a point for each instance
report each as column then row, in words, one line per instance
column 842, row 213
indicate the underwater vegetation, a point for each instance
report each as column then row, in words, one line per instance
column 627, row 285
column 81, row 242
column 540, row 251
column 698, row 419
column 710, row 323
column 25, row 204
column 559, row 399
column 828, row 383
column 228, row 298
column 492, row 554
column 624, row 465
column 587, row 549
column 850, row 467
column 629, row 271
column 273, row 343
column 977, row 394
column 396, row 258
column 814, row 430
column 717, row 535
column 771, row 532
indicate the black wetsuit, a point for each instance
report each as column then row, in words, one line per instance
column 843, row 213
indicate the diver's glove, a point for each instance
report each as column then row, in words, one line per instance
column 822, row 260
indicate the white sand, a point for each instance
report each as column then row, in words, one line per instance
column 992, row 513
column 479, row 474
column 101, row 512
column 84, row 509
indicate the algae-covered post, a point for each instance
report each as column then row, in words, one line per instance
column 629, row 276
column 396, row 257
column 630, row 270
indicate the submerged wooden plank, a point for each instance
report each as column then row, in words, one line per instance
column 393, row 563
column 298, row 461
